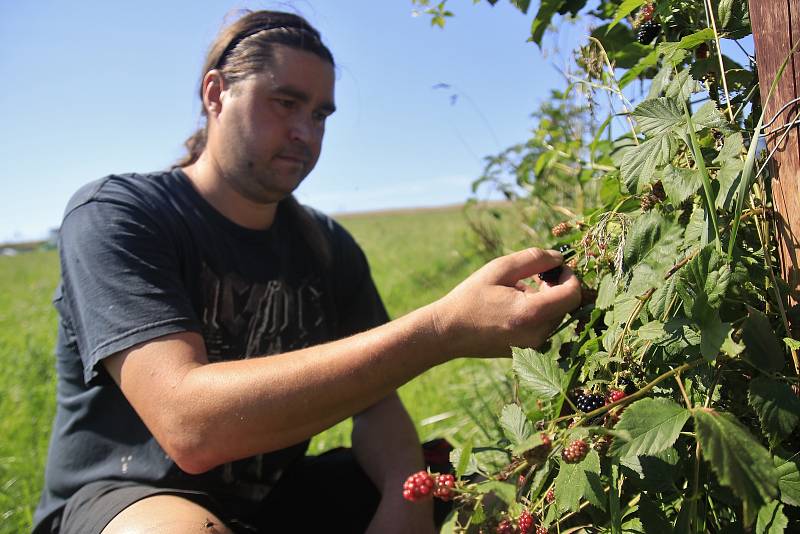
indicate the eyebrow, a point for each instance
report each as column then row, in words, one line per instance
column 299, row 94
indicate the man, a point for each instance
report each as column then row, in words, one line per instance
column 209, row 326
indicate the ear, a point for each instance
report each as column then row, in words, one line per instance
column 213, row 87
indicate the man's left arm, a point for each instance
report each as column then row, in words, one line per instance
column 386, row 446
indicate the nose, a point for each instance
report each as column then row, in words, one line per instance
column 302, row 129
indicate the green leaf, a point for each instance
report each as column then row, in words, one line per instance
column 771, row 519
column 708, row 116
column 777, row 406
column 606, row 292
column 702, row 284
column 738, row 459
column 651, row 331
column 712, row 336
column 653, row 425
column 763, row 350
column 541, row 21
column 792, row 343
column 788, row 479
column 639, row 165
column 642, row 236
column 696, row 39
column 731, row 165
column 724, row 12
column 679, row 183
column 643, row 64
column 658, row 116
column 682, row 86
column 572, row 482
column 625, row 9
column 464, row 460
column 515, row 424
column 504, row 491
column 539, row 372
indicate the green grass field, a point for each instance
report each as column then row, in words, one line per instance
column 416, row 257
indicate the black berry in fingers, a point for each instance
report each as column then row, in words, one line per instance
column 551, row 276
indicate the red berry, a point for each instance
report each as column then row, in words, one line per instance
column 418, row 486
column 444, row 486
column 521, row 481
column 550, row 496
column 541, row 530
column 525, row 522
column 505, row 527
column 614, row 395
column 575, row 451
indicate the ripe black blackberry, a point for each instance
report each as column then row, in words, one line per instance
column 587, row 402
column 648, row 31
column 658, row 191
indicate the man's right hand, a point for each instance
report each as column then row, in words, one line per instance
column 494, row 309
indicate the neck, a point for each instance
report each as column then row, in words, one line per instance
column 209, row 182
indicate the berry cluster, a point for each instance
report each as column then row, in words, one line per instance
column 525, row 522
column 418, row 486
column 586, row 402
column 575, row 451
column 444, row 487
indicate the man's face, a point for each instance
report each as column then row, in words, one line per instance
column 270, row 126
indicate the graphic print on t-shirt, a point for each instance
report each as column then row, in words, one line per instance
column 243, row 318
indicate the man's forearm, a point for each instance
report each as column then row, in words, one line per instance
column 230, row 410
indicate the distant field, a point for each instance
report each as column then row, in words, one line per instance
column 415, row 256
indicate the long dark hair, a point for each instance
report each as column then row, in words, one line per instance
column 246, row 47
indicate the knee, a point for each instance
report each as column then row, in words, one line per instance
column 166, row 514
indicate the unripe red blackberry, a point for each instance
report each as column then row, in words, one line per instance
column 573, row 263
column 525, row 522
column 505, row 527
column 646, row 13
column 575, row 451
column 541, row 530
column 444, row 485
column 550, row 496
column 561, row 229
column 614, row 395
column 418, row 486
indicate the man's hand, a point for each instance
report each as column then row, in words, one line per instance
column 494, row 309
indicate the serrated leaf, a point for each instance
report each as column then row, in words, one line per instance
column 724, row 12
column 653, row 426
column 708, row 116
column 738, row 459
column 606, row 292
column 771, row 519
column 653, row 473
column 702, row 284
column 539, row 372
column 642, row 236
column 653, row 519
column 788, row 479
column 712, row 336
column 651, row 331
column 572, row 482
column 776, row 405
column 658, row 116
column 662, row 298
column 731, row 166
column 682, row 86
column 762, row 348
column 625, row 9
column 639, row 165
column 679, row 183
column 696, row 39
column 516, row 426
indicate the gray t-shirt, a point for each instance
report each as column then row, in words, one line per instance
column 144, row 255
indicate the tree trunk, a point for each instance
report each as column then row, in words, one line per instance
column 776, row 29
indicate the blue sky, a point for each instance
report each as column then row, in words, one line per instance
column 94, row 88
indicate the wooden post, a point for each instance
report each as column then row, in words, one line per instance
column 776, row 29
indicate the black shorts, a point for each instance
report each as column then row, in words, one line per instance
column 329, row 490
